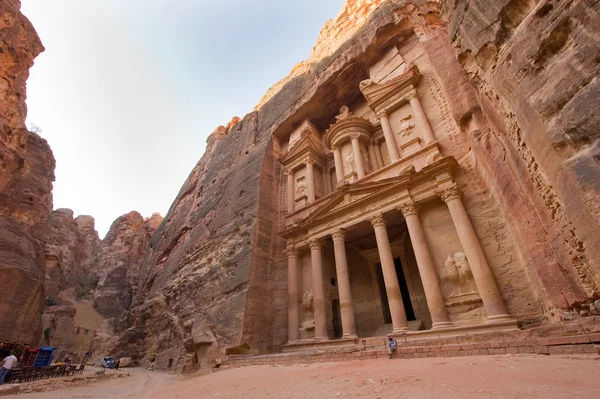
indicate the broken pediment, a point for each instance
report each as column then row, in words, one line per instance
column 390, row 95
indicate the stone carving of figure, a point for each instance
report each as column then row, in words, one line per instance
column 344, row 113
column 349, row 163
column 406, row 126
column 301, row 190
column 459, row 276
column 307, row 311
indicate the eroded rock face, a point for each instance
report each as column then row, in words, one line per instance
column 26, row 175
column 534, row 68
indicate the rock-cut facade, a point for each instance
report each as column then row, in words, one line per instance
column 430, row 170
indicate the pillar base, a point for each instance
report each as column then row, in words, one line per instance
column 498, row 318
column 400, row 330
column 321, row 339
column 349, row 336
column 441, row 325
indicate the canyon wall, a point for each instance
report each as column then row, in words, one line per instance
column 534, row 66
column 518, row 80
column 26, row 176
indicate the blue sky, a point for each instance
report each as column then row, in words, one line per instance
column 128, row 90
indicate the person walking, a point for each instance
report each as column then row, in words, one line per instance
column 9, row 363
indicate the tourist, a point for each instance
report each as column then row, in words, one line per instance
column 7, row 364
column 391, row 345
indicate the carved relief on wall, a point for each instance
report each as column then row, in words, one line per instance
column 406, row 127
column 308, row 312
column 349, row 163
column 458, row 282
column 300, row 187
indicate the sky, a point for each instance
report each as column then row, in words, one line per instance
column 127, row 91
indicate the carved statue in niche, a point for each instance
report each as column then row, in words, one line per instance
column 301, row 187
column 459, row 278
column 349, row 163
column 308, row 312
column 406, row 126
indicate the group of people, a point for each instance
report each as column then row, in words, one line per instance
column 9, row 363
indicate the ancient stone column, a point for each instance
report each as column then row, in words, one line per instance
column 431, row 286
column 326, row 182
column 390, row 140
column 339, row 165
column 358, row 161
column 318, row 290
column 341, row 267
column 290, row 190
column 293, row 295
column 421, row 118
column 310, row 180
column 482, row 274
column 373, row 157
column 378, row 155
column 389, row 275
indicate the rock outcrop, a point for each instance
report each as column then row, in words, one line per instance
column 26, row 176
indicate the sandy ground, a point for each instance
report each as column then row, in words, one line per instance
column 507, row 376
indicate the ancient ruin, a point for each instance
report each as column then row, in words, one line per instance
column 431, row 170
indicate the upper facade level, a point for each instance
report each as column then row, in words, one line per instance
column 384, row 130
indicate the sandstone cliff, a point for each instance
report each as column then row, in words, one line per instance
column 215, row 276
column 26, row 175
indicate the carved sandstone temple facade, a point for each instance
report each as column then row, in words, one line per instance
column 379, row 237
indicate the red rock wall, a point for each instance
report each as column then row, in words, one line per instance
column 531, row 116
column 26, row 175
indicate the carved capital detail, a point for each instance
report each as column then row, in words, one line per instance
column 315, row 244
column 450, row 193
column 378, row 220
column 412, row 94
column 409, row 208
column 310, row 159
column 339, row 235
column 354, row 136
column 291, row 252
column 289, row 172
column 382, row 114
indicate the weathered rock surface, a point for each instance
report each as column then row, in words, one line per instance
column 534, row 66
column 26, row 175
column 215, row 276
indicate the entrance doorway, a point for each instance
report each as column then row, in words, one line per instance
column 337, row 318
column 385, row 306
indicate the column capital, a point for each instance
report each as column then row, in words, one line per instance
column 288, row 172
column 339, row 235
column 449, row 193
column 378, row 220
column 310, row 159
column 382, row 113
column 412, row 94
column 354, row 136
column 291, row 251
column 409, row 208
column 315, row 244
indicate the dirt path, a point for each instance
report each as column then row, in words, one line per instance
column 505, row 376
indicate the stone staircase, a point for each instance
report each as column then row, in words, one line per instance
column 568, row 338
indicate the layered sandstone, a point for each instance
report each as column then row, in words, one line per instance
column 534, row 68
column 26, row 175
column 216, row 275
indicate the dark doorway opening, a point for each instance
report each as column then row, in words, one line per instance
column 337, row 318
column 408, row 308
